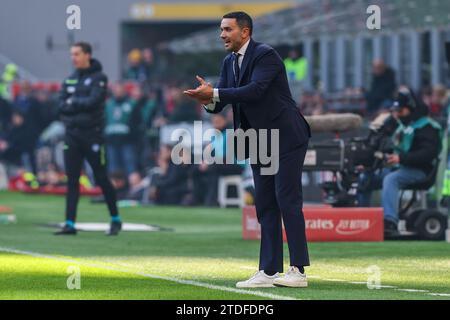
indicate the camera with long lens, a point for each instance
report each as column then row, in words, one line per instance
column 346, row 157
column 371, row 152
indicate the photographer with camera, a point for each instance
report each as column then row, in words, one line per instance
column 416, row 143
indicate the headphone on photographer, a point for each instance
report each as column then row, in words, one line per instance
column 405, row 98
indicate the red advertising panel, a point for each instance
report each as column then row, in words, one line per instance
column 325, row 223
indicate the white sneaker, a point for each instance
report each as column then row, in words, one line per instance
column 292, row 278
column 258, row 280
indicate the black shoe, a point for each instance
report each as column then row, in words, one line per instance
column 390, row 228
column 66, row 231
column 114, row 229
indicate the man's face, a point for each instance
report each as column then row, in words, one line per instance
column 118, row 91
column 402, row 112
column 378, row 67
column 232, row 35
column 17, row 120
column 25, row 88
column 137, row 93
column 293, row 54
column 165, row 152
column 80, row 59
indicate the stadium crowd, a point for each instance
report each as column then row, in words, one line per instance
column 137, row 108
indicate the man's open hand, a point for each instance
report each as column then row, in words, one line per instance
column 393, row 159
column 3, row 145
column 203, row 93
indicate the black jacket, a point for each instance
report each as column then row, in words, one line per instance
column 5, row 116
column 425, row 146
column 82, row 100
column 19, row 141
column 382, row 88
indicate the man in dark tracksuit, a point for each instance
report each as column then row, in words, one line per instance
column 81, row 106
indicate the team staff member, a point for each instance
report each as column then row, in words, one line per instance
column 253, row 80
column 81, row 106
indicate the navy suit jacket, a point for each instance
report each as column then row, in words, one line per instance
column 263, row 96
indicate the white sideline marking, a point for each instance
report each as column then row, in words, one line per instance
column 412, row 290
column 147, row 275
column 334, row 280
column 386, row 287
column 440, row 294
column 203, row 284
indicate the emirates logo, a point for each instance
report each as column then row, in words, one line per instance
column 319, row 224
column 351, row 227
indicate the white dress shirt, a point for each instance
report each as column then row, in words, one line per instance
column 211, row 106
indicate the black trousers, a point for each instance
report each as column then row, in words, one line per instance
column 280, row 196
column 80, row 147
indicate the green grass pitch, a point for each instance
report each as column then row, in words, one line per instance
column 202, row 258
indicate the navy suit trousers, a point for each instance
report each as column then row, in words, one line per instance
column 279, row 197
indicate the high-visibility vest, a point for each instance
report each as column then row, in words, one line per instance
column 7, row 78
column 296, row 69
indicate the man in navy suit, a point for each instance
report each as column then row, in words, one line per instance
column 253, row 80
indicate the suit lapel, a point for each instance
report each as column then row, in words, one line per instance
column 247, row 58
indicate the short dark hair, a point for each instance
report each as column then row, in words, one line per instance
column 85, row 47
column 243, row 19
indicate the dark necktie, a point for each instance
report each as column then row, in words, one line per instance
column 237, row 113
column 236, row 68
